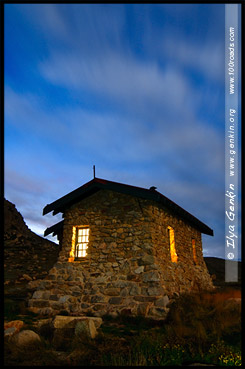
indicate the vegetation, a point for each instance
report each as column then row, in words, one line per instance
column 200, row 328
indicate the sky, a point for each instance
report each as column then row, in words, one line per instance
column 135, row 89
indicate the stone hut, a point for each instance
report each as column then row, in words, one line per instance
column 124, row 250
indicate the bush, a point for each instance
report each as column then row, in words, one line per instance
column 204, row 317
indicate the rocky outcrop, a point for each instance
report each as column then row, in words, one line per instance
column 27, row 256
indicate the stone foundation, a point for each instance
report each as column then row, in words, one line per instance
column 128, row 269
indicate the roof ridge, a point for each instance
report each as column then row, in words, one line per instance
column 97, row 184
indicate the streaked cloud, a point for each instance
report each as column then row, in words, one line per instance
column 137, row 90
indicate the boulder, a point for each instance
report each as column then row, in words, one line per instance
column 86, row 327
column 25, row 338
column 60, row 321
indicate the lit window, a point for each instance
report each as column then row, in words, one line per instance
column 82, row 235
column 194, row 250
column 174, row 256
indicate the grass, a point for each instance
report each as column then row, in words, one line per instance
column 203, row 328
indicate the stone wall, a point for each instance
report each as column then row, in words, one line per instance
column 128, row 268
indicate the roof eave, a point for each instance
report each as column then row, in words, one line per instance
column 97, row 184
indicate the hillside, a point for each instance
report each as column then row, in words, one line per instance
column 27, row 256
column 216, row 267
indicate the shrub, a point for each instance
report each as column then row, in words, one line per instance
column 204, row 317
column 222, row 354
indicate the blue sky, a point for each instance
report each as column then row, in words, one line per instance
column 137, row 90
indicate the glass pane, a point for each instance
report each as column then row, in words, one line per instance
column 82, row 242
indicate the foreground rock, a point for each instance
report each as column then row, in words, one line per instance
column 25, row 338
column 71, row 321
column 80, row 325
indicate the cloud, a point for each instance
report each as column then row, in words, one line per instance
column 23, row 182
column 185, row 146
column 118, row 76
column 47, row 18
column 206, row 58
column 30, row 196
column 77, row 26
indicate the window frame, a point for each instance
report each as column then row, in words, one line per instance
column 81, row 246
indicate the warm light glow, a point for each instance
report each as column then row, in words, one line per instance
column 82, row 242
column 194, row 250
column 73, row 242
column 174, row 257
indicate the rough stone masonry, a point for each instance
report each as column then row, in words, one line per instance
column 127, row 268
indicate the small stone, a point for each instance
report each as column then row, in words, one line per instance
column 162, row 302
column 18, row 324
column 100, row 280
column 142, row 309
column 146, row 260
column 139, row 269
column 112, row 291
column 135, row 290
column 135, row 248
column 10, row 331
column 159, row 311
column 97, row 298
column 27, row 277
column 115, row 300
column 37, row 295
column 155, row 291
column 151, row 277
